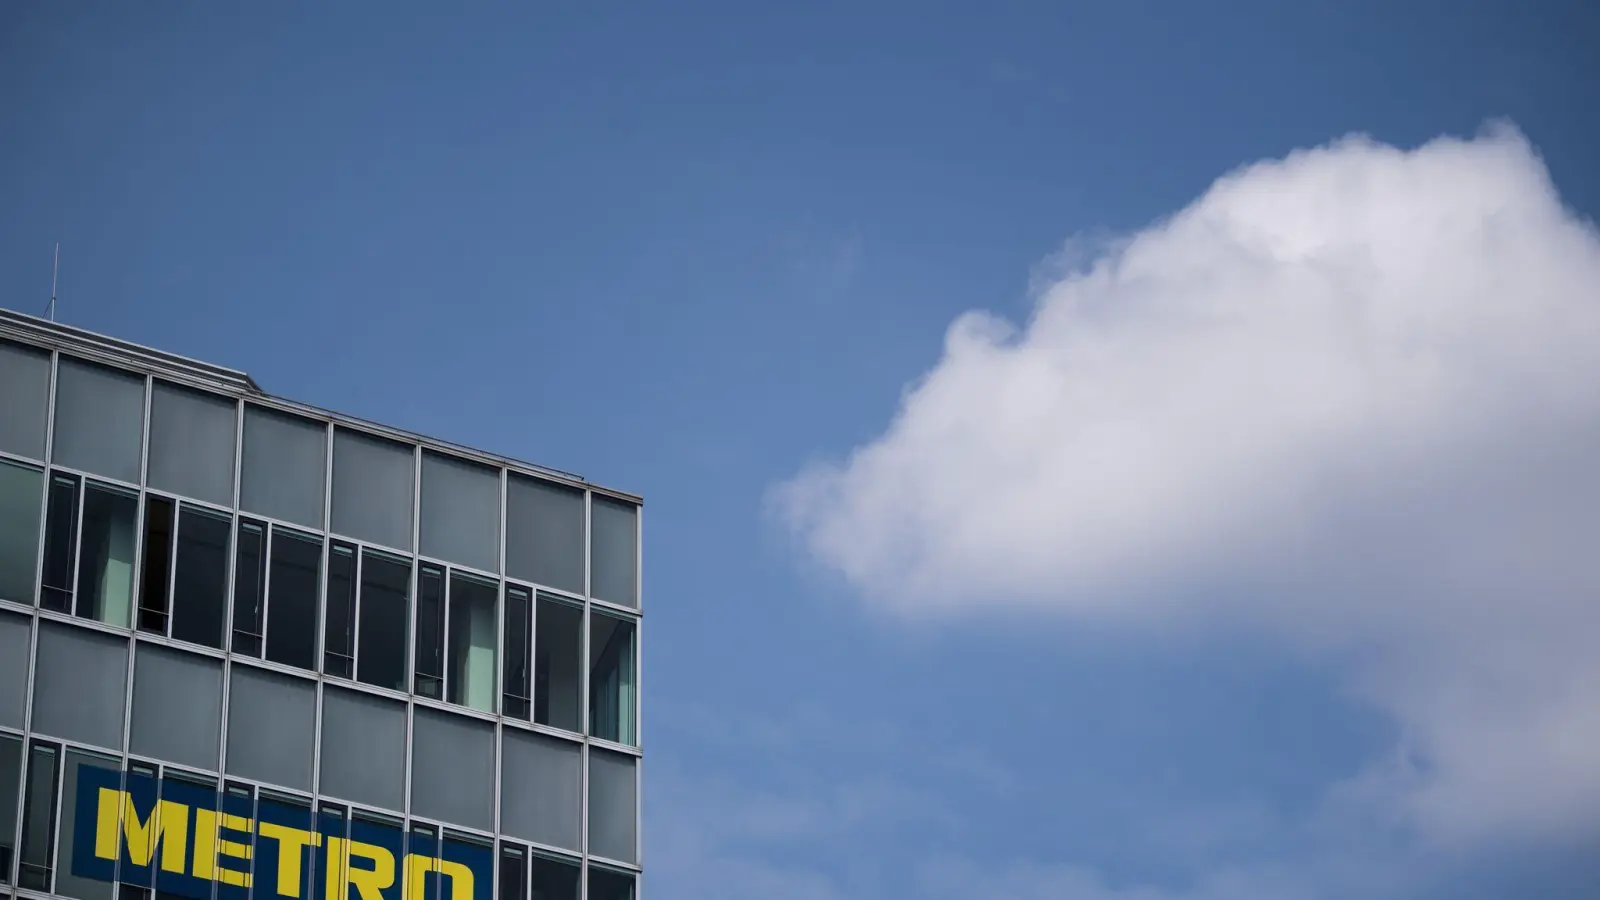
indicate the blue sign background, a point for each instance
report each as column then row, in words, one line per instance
column 144, row 791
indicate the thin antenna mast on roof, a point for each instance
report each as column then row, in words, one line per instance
column 55, row 269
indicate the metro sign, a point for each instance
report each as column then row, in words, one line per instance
column 174, row 835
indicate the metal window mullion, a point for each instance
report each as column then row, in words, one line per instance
column 638, row 642
column 499, row 694
column 227, row 610
column 444, row 634
column 266, row 584
column 355, row 612
column 412, row 601
column 55, row 822
column 136, row 577
column 583, row 768
column 127, row 694
column 144, row 436
column 172, row 568
column 500, row 609
column 44, row 502
column 77, row 548
column 317, row 619
column 638, row 697
column 411, row 635
column 583, row 639
column 26, row 763
column 583, row 816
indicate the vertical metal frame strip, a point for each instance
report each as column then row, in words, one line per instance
column 317, row 616
column 227, row 609
column 144, row 479
column 500, row 687
column 44, row 492
column 411, row 636
column 638, row 691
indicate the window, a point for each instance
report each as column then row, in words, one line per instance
column 16, row 648
column 513, row 873
column 60, row 544
column 553, row 879
column 613, row 551
column 194, row 791
column 611, row 678
column 191, row 443
column 613, row 805
column 474, row 852
column 544, row 533
column 372, row 488
column 283, row 467
column 558, row 665
column 177, row 706
column 105, row 563
column 24, row 399
column 10, row 785
column 384, row 614
column 452, row 768
column 200, row 589
column 380, row 831
column 517, row 700
column 363, row 748
column 21, row 491
column 272, row 723
column 293, row 575
column 142, row 780
column 333, row 868
column 471, row 680
column 605, row 884
column 153, row 581
column 424, row 841
column 238, row 800
column 39, row 817
column 339, row 633
column 99, row 425
column 79, row 685
column 540, row 788
column 69, row 884
column 430, row 632
column 460, row 511
column 249, row 587
column 268, row 855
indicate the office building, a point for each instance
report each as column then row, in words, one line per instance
column 254, row 650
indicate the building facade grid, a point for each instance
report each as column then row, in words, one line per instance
column 602, row 876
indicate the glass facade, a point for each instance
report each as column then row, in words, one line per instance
column 285, row 625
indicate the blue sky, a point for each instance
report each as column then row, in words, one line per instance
column 688, row 250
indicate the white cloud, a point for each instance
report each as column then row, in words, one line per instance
column 1350, row 398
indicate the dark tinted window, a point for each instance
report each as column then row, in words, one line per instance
column 60, row 544
column 553, row 879
column 292, row 599
column 20, row 492
column 249, row 587
column 385, row 587
column 517, row 701
column 513, row 873
column 430, row 632
column 339, row 632
column 200, row 589
column 39, row 817
column 558, row 665
column 10, row 784
column 157, row 564
column 608, row 885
